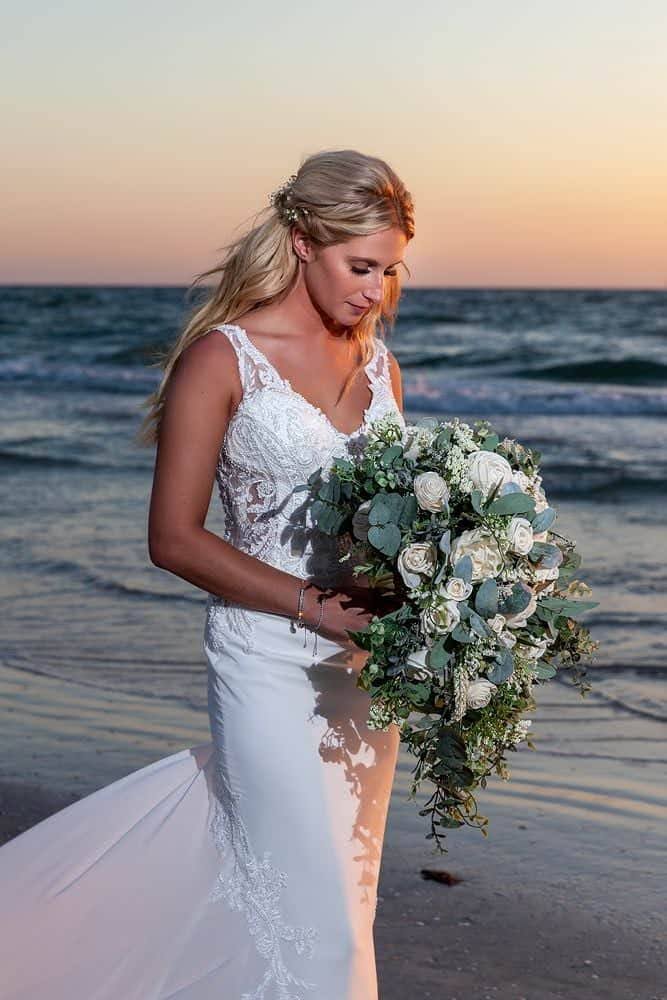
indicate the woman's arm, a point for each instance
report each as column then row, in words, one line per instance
column 203, row 392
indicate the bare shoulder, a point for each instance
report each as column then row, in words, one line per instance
column 210, row 361
column 211, row 348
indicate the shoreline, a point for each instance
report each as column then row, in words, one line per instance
column 561, row 900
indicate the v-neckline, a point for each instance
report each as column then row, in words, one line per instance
column 299, row 395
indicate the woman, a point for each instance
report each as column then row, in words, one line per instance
column 247, row 867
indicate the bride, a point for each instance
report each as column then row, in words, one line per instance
column 246, row 868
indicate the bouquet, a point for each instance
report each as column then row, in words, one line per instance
column 453, row 525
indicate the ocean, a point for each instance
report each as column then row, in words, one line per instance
column 581, row 375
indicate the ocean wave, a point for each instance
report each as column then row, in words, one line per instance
column 84, row 575
column 487, row 397
column 27, row 370
column 630, row 371
column 24, row 459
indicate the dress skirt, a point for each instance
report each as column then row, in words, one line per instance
column 245, row 868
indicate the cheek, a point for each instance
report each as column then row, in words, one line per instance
column 338, row 282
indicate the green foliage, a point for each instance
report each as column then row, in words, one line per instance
column 512, row 503
column 454, row 754
column 486, row 598
column 518, row 600
column 503, row 666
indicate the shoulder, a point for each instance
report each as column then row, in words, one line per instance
column 213, row 348
column 209, row 362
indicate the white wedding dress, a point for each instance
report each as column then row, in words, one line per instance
column 245, row 868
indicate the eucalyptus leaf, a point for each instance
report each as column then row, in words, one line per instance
column 409, row 511
column 391, row 456
column 461, row 634
column 503, row 666
column 330, row 520
column 486, row 599
column 567, row 607
column 463, row 569
column 330, row 490
column 386, row 538
column 438, row 656
column 512, row 503
column 445, row 543
column 490, row 442
column 543, row 520
column 546, row 555
column 479, row 626
column 518, row 600
column 379, row 511
column 477, row 501
column 544, row 671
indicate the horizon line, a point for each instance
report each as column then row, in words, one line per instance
column 405, row 288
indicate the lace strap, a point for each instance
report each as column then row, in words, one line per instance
column 254, row 369
column 378, row 367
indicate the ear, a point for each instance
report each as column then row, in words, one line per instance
column 301, row 244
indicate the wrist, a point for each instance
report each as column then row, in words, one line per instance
column 311, row 604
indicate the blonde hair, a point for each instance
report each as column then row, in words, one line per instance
column 335, row 196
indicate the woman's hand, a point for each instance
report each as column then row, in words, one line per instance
column 349, row 608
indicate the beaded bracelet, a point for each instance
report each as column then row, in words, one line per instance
column 298, row 622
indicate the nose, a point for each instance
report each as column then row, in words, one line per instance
column 374, row 291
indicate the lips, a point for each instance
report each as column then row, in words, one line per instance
column 360, row 308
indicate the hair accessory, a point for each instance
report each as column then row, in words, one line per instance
column 289, row 214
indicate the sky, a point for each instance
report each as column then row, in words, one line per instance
column 140, row 137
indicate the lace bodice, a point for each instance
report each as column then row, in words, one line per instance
column 274, row 441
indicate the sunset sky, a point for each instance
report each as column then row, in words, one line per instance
column 138, row 136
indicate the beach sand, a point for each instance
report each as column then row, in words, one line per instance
column 564, row 898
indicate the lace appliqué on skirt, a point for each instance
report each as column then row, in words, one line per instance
column 253, row 887
column 223, row 617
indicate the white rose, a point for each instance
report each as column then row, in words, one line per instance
column 431, row 491
column 486, row 468
column 482, row 548
column 455, row 589
column 507, row 639
column 521, row 617
column 415, row 561
column 533, row 650
column 497, row 623
column 360, row 521
column 479, row 693
column 520, row 535
column 439, row 618
column 417, row 668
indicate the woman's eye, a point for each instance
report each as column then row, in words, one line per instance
column 388, row 274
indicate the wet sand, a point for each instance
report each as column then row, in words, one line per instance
column 564, row 898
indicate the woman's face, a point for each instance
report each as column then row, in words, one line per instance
column 346, row 280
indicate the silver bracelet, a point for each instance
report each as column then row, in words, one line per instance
column 322, row 601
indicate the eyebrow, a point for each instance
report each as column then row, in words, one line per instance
column 374, row 263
